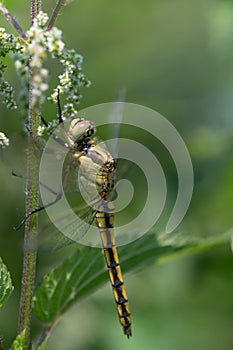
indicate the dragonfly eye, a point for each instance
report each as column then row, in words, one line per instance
column 80, row 129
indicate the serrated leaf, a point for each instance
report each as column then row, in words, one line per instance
column 6, row 286
column 20, row 342
column 85, row 270
column 67, row 283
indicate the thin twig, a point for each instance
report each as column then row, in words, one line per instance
column 54, row 15
column 13, row 22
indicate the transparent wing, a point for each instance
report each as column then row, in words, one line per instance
column 115, row 118
column 51, row 238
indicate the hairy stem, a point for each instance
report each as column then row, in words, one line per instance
column 13, row 21
column 29, row 263
column 35, row 9
column 56, row 10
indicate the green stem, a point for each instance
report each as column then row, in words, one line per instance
column 30, row 254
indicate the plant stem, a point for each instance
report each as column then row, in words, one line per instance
column 56, row 10
column 44, row 335
column 13, row 21
column 46, row 332
column 29, row 263
column 35, row 9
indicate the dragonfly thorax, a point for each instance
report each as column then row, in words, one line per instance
column 81, row 129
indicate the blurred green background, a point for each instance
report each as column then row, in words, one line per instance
column 176, row 57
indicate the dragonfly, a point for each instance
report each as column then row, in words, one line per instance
column 97, row 167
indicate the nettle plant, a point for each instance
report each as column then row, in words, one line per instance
column 29, row 52
column 84, row 271
column 79, row 275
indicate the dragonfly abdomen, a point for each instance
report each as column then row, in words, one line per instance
column 119, row 291
column 104, row 165
column 105, row 225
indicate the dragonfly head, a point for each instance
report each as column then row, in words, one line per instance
column 80, row 129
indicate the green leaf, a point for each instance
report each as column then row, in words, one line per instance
column 67, row 283
column 20, row 342
column 85, row 270
column 6, row 286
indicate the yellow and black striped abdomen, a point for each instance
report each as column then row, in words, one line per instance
column 105, row 222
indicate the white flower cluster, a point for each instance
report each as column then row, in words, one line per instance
column 8, row 44
column 4, row 36
column 40, row 42
column 29, row 57
column 71, row 80
column 40, row 130
column 37, row 51
column 48, row 128
column 54, row 42
column 4, row 141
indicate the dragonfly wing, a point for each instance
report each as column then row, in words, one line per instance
column 52, row 238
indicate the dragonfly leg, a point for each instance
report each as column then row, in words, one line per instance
column 55, row 137
column 61, row 122
column 13, row 173
column 58, row 197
